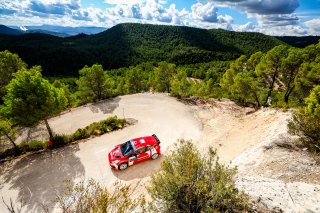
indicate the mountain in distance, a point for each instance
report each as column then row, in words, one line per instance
column 9, row 31
column 130, row 44
column 17, row 31
column 62, row 35
column 299, row 41
column 62, row 31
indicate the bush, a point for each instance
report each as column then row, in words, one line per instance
column 60, row 140
column 99, row 128
column 79, row 135
column 307, row 128
column 31, row 146
column 91, row 196
column 306, row 122
column 190, row 182
column 36, row 145
column 23, row 148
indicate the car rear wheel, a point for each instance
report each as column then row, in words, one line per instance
column 155, row 156
column 123, row 166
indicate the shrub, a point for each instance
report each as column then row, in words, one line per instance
column 190, row 182
column 23, row 148
column 306, row 122
column 36, row 145
column 307, row 128
column 60, row 140
column 79, row 134
column 91, row 196
column 99, row 128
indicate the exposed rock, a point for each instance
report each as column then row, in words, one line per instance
column 281, row 197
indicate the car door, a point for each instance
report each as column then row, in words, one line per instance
column 141, row 154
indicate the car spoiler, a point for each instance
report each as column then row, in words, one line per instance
column 154, row 135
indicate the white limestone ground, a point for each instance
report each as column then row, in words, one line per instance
column 279, row 178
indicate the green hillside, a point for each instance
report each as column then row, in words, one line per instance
column 9, row 31
column 131, row 44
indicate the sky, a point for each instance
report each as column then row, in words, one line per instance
column 272, row 17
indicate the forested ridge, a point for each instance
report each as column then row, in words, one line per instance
column 131, row 44
column 299, row 41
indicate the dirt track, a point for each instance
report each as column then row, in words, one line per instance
column 231, row 129
column 39, row 177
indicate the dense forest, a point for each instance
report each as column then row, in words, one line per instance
column 132, row 44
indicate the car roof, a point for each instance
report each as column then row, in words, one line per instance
column 144, row 141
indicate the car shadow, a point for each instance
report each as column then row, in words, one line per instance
column 105, row 106
column 141, row 170
column 39, row 178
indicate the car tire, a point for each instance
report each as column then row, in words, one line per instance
column 155, row 156
column 123, row 166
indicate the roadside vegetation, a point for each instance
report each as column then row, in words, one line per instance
column 56, row 140
column 192, row 182
column 188, row 182
column 306, row 122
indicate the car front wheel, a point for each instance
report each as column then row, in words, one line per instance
column 123, row 166
column 155, row 156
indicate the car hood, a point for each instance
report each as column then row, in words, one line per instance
column 115, row 154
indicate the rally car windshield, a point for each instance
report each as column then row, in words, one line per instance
column 126, row 148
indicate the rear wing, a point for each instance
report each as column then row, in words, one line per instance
column 154, row 135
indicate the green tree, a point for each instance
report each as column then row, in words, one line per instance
column 313, row 102
column 308, row 76
column 8, row 131
column 270, row 67
column 65, row 87
column 206, row 89
column 246, row 87
column 92, row 83
column 180, row 85
column 134, row 80
column 306, row 123
column 9, row 64
column 30, row 99
column 190, row 182
column 228, row 78
column 163, row 76
column 253, row 61
column 121, row 86
column 290, row 69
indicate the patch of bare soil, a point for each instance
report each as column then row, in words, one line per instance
column 233, row 129
column 271, row 169
column 288, row 165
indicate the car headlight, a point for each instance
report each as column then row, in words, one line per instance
column 115, row 162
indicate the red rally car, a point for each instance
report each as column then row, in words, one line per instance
column 134, row 151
